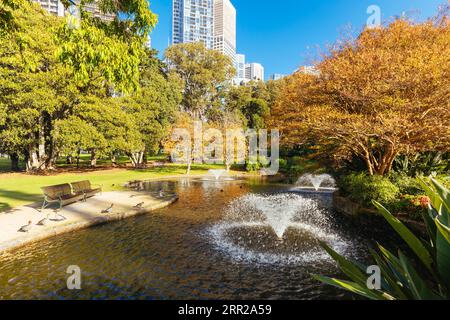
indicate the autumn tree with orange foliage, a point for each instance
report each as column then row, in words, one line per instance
column 383, row 94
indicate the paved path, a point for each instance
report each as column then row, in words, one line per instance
column 78, row 216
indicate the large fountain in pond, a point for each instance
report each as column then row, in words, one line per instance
column 276, row 229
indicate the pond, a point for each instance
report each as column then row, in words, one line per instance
column 221, row 240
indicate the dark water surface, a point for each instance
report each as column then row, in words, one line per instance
column 170, row 254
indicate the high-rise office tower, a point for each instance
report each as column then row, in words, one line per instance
column 277, row 76
column 240, row 66
column 225, row 28
column 240, row 78
column 193, row 21
column 254, row 71
column 56, row 7
column 95, row 11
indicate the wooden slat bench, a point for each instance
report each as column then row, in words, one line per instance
column 85, row 188
column 61, row 194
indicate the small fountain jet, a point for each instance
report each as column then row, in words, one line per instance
column 109, row 209
column 26, row 228
column 217, row 173
column 318, row 182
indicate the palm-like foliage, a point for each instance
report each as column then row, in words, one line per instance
column 423, row 277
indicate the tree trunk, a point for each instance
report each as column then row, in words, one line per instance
column 37, row 157
column 52, row 155
column 41, row 140
column 113, row 159
column 144, row 156
column 137, row 159
column 188, row 170
column 78, row 158
column 93, row 158
column 386, row 160
column 14, row 161
column 33, row 162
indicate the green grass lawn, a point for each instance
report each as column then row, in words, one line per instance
column 85, row 162
column 19, row 188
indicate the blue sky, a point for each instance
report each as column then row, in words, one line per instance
column 285, row 34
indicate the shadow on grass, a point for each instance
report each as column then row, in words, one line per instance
column 6, row 207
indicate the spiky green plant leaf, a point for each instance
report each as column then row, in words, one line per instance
column 350, row 269
column 389, row 280
column 444, row 195
column 444, row 230
column 417, row 285
column 354, row 287
column 413, row 242
column 436, row 200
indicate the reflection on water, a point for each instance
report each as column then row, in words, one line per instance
column 174, row 254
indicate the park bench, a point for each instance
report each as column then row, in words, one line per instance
column 61, row 194
column 85, row 188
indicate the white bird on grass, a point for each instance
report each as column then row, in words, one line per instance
column 26, row 228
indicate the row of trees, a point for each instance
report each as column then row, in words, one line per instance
column 381, row 95
column 96, row 88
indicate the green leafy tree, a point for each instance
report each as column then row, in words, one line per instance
column 34, row 87
column 252, row 101
column 154, row 106
column 205, row 74
column 133, row 17
column 106, row 55
column 43, row 94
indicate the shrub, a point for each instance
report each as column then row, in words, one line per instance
column 252, row 167
column 283, row 163
column 406, row 184
column 424, row 164
column 364, row 189
column 422, row 276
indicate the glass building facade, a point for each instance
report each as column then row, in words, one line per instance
column 193, row 21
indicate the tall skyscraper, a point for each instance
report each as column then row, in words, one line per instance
column 254, row 71
column 277, row 76
column 225, row 28
column 193, row 21
column 56, row 7
column 96, row 13
column 212, row 22
column 240, row 66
